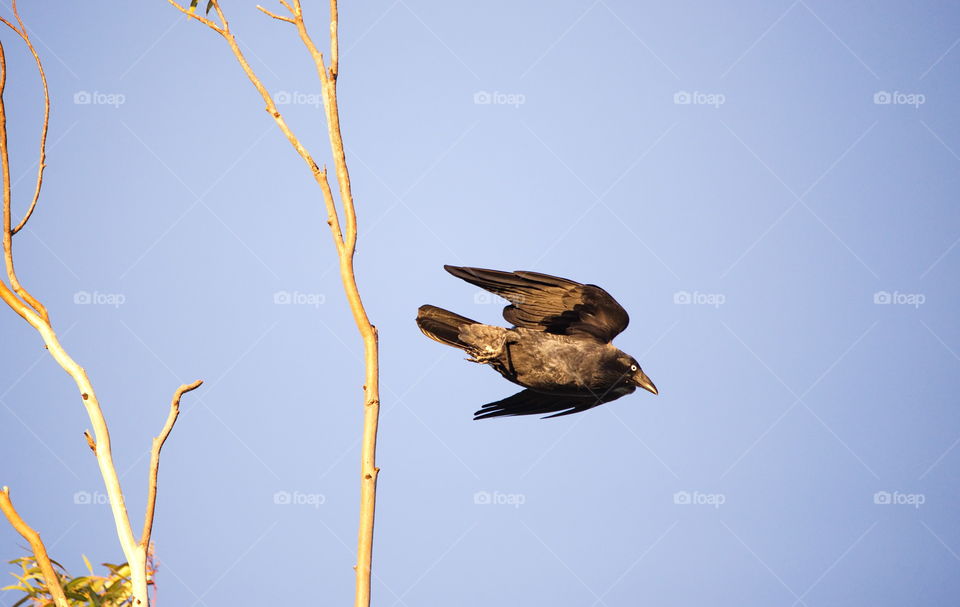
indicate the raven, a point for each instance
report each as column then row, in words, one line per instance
column 558, row 348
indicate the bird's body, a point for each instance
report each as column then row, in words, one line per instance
column 559, row 348
column 543, row 361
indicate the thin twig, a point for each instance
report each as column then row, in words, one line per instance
column 274, row 15
column 329, row 89
column 193, row 15
column 155, row 459
column 334, row 40
column 39, row 550
column 42, row 164
column 319, row 175
column 5, row 175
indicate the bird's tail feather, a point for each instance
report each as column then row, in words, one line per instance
column 442, row 325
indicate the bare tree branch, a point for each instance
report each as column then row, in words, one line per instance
column 155, row 459
column 345, row 241
column 319, row 175
column 192, row 15
column 7, row 231
column 39, row 550
column 42, row 163
column 274, row 15
column 36, row 315
column 42, row 324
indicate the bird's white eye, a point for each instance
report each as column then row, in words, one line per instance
column 633, row 367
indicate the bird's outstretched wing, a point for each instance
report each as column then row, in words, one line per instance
column 551, row 304
column 528, row 402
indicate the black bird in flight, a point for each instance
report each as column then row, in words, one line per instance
column 558, row 349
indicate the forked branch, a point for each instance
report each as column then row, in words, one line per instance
column 31, row 310
column 345, row 241
column 42, row 163
column 319, row 175
column 24, row 295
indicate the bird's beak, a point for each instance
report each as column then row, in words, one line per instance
column 641, row 379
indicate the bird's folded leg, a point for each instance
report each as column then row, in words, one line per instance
column 489, row 351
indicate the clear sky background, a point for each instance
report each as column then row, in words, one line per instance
column 786, row 244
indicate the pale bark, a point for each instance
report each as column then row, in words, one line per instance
column 344, row 239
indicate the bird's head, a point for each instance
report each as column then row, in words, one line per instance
column 634, row 375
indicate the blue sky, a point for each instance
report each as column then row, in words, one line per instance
column 769, row 188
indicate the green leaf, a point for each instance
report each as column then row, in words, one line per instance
column 193, row 5
column 94, row 598
column 17, row 587
column 77, row 581
column 76, row 596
